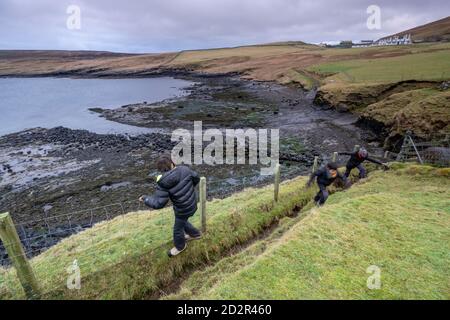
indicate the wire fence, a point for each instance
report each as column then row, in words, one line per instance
column 41, row 233
column 44, row 230
column 435, row 152
column 93, row 261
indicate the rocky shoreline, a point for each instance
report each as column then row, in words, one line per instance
column 56, row 182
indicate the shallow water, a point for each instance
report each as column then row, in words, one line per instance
column 50, row 102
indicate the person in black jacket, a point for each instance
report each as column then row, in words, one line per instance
column 356, row 160
column 325, row 176
column 177, row 183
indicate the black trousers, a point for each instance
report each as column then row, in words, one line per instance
column 182, row 226
column 361, row 169
column 322, row 195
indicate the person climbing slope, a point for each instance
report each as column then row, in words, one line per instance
column 325, row 176
column 176, row 183
column 356, row 160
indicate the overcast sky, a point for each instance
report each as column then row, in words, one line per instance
column 170, row 25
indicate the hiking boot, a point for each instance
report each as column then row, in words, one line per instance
column 174, row 251
column 189, row 238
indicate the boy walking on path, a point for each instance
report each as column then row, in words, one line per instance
column 325, row 176
column 356, row 160
column 177, row 183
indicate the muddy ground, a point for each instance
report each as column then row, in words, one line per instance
column 56, row 182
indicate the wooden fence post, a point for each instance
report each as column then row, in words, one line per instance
column 315, row 164
column 334, row 158
column 357, row 146
column 276, row 188
column 16, row 254
column 203, row 202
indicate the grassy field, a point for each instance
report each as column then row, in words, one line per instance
column 126, row 258
column 398, row 221
column 421, row 66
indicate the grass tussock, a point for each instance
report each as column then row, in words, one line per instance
column 425, row 110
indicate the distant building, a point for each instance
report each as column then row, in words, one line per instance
column 404, row 39
column 363, row 43
column 346, row 44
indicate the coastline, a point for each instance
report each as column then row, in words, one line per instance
column 94, row 170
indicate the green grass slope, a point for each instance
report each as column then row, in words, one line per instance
column 438, row 30
column 397, row 220
column 433, row 65
column 126, row 258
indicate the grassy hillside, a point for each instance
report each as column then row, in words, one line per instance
column 357, row 80
column 304, row 63
column 126, row 258
column 280, row 62
column 347, row 79
column 421, row 66
column 435, row 31
column 397, row 220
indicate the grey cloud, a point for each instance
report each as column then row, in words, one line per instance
column 169, row 25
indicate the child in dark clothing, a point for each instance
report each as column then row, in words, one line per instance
column 177, row 183
column 356, row 160
column 325, row 176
